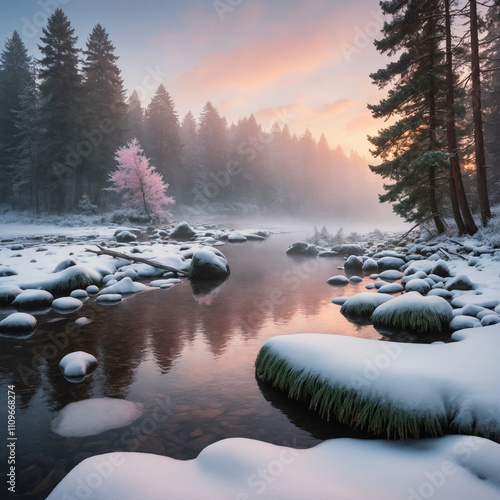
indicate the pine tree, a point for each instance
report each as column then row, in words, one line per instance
column 162, row 142
column 411, row 148
column 61, row 110
column 105, row 110
column 25, row 169
column 491, row 98
column 213, row 138
column 135, row 117
column 461, row 210
column 482, row 184
column 14, row 76
column 190, row 158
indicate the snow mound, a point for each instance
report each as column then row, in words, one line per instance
column 363, row 304
column 93, row 416
column 8, row 293
column 109, row 299
column 126, row 285
column 66, row 281
column 33, row 299
column 77, row 365
column 414, row 312
column 18, row 324
column 418, row 285
column 338, row 280
column 67, row 304
column 449, row 467
column 403, row 390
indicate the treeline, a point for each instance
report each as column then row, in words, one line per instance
column 440, row 155
column 63, row 117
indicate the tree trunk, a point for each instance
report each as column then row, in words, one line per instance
column 457, row 184
column 482, row 184
column 438, row 221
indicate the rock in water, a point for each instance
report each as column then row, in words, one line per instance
column 206, row 265
column 18, row 324
column 302, row 248
column 182, row 231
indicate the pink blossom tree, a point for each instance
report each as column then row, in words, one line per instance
column 142, row 186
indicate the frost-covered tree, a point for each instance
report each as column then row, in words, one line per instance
column 139, row 182
column 105, row 112
column 14, row 76
column 61, row 110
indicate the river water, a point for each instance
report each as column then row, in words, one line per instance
column 187, row 354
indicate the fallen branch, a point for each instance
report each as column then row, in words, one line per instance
column 138, row 260
column 447, row 252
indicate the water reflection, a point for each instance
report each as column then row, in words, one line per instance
column 193, row 344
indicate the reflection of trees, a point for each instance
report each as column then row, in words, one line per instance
column 264, row 286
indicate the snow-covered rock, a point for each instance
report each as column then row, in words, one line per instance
column 208, row 265
column 79, row 276
column 451, row 467
column 386, row 263
column 67, row 304
column 393, row 388
column 414, row 312
column 79, row 294
column 183, row 231
column 77, row 365
column 93, row 416
column 418, row 285
column 338, row 280
column 390, row 288
column 461, row 282
column 18, row 324
column 363, row 304
column 124, row 286
column 370, row 266
column 236, row 238
column 109, row 299
column 347, row 249
column 125, row 237
column 33, row 299
column 302, row 248
column 390, row 275
column 8, row 293
column 353, row 262
column 461, row 322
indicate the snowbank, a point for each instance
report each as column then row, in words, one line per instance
column 452, row 467
column 392, row 388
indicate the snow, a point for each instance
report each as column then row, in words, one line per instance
column 414, row 312
column 77, row 364
column 67, row 304
column 455, row 382
column 363, row 304
column 33, row 299
column 126, row 285
column 391, row 288
column 109, row 299
column 418, row 285
column 390, row 275
column 338, row 280
column 348, row 469
column 18, row 324
column 93, row 416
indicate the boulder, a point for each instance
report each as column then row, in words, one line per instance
column 182, row 231
column 207, row 265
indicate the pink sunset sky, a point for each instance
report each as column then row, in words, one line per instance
column 304, row 63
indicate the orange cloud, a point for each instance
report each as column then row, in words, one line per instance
column 264, row 61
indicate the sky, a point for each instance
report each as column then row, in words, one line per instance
column 305, row 63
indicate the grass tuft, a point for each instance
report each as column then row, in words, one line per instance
column 345, row 404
